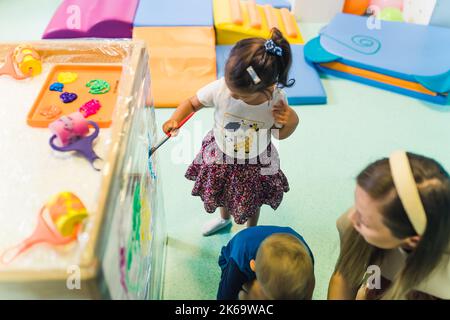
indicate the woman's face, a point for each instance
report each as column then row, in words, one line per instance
column 367, row 219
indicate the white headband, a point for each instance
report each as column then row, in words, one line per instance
column 407, row 190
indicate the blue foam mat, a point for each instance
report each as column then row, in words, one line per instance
column 403, row 50
column 276, row 3
column 307, row 89
column 315, row 53
column 154, row 13
column 441, row 14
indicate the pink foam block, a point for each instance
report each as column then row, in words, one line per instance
column 69, row 128
column 92, row 18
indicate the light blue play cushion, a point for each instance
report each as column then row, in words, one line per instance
column 276, row 3
column 307, row 89
column 441, row 14
column 157, row 13
column 406, row 51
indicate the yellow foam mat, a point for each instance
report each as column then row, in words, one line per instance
column 235, row 20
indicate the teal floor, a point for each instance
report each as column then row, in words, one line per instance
column 321, row 159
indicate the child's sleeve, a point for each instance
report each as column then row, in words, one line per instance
column 231, row 282
column 208, row 94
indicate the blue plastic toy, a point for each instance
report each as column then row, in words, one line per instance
column 276, row 3
column 441, row 14
column 406, row 58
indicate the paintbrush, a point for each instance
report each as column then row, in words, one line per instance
column 168, row 135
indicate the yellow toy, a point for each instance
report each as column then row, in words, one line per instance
column 21, row 63
column 235, row 20
column 67, row 77
column 67, row 212
column 59, row 222
column 28, row 60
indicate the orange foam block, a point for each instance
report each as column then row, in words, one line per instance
column 182, row 60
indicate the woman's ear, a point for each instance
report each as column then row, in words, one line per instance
column 412, row 242
column 253, row 265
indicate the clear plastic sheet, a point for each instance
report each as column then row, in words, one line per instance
column 126, row 221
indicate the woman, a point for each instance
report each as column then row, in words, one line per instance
column 401, row 224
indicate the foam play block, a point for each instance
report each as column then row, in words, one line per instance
column 381, row 81
column 317, row 11
column 154, row 13
column 307, row 89
column 413, row 58
column 418, row 11
column 276, row 3
column 235, row 20
column 441, row 14
column 182, row 60
column 92, row 18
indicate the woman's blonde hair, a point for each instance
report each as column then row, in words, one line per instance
column 285, row 268
column 433, row 183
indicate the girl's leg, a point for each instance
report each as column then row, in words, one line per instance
column 224, row 214
column 253, row 221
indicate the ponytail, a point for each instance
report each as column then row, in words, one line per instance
column 284, row 61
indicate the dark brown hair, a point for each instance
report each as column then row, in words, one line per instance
column 270, row 68
column 433, row 184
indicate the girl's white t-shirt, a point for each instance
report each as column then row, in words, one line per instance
column 241, row 130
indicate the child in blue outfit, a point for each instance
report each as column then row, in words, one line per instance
column 266, row 262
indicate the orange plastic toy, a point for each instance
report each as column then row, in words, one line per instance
column 59, row 223
column 79, row 75
column 357, row 7
column 404, row 84
column 182, row 60
column 23, row 62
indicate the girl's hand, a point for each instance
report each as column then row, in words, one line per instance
column 170, row 125
column 285, row 118
column 281, row 112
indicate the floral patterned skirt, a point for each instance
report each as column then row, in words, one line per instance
column 242, row 187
